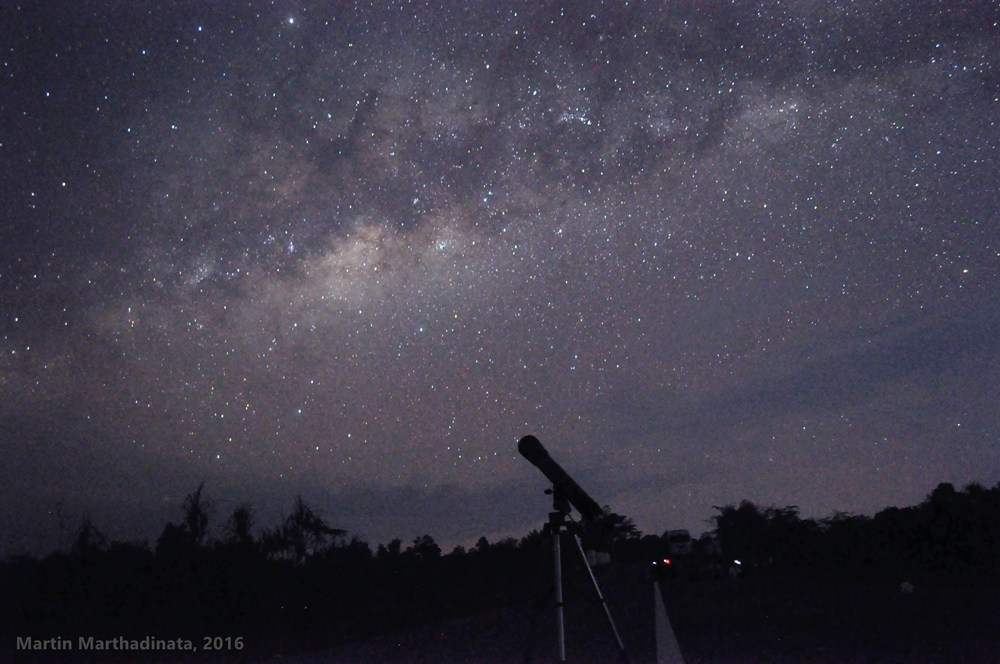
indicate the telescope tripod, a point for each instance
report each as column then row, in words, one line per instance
column 558, row 523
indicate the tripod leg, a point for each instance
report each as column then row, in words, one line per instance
column 604, row 605
column 557, row 555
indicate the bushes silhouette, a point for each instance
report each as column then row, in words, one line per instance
column 951, row 533
column 308, row 583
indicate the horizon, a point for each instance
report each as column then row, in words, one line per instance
column 218, row 522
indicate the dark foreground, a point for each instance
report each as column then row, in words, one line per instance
column 757, row 619
column 745, row 621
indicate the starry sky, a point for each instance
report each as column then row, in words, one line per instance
column 704, row 250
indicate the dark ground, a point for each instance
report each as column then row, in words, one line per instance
column 751, row 620
column 761, row 618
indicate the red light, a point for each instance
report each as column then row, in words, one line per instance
column 666, row 561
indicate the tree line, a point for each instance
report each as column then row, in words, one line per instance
column 952, row 533
column 307, row 583
column 301, row 582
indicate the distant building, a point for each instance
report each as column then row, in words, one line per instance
column 679, row 542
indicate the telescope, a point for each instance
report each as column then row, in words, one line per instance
column 566, row 492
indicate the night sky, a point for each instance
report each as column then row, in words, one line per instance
column 705, row 251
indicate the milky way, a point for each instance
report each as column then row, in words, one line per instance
column 704, row 251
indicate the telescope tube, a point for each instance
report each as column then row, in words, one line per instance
column 532, row 450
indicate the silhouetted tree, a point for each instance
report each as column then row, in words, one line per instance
column 741, row 531
column 847, row 543
column 197, row 511
column 174, row 542
column 425, row 548
column 391, row 550
column 240, row 524
column 89, row 540
column 609, row 533
column 355, row 552
column 303, row 533
column 620, row 526
column 532, row 540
